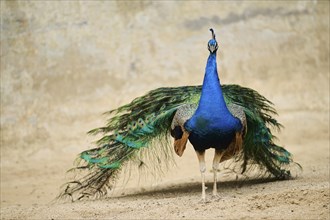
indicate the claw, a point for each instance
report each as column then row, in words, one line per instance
column 203, row 200
column 216, row 197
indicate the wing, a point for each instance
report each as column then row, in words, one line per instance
column 178, row 132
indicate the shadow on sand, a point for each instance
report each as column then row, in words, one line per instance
column 169, row 191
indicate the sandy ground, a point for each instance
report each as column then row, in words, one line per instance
column 28, row 191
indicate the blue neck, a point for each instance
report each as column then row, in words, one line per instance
column 212, row 125
column 212, row 99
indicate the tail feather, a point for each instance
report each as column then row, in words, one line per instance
column 101, row 165
column 259, row 149
column 121, row 146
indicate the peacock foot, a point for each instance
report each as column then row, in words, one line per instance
column 216, row 196
column 204, row 200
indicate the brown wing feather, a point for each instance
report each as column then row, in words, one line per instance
column 234, row 148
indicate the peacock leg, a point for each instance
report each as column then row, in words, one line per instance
column 202, row 168
column 216, row 161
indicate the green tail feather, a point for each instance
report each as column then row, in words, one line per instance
column 139, row 132
column 260, row 149
column 123, row 145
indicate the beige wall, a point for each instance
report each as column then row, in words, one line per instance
column 63, row 63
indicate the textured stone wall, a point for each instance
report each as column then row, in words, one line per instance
column 63, row 63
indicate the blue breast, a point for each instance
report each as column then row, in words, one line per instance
column 212, row 125
column 207, row 131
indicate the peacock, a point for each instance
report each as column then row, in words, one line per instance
column 236, row 121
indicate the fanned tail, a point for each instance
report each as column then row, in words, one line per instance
column 139, row 132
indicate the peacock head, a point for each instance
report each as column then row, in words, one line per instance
column 212, row 45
